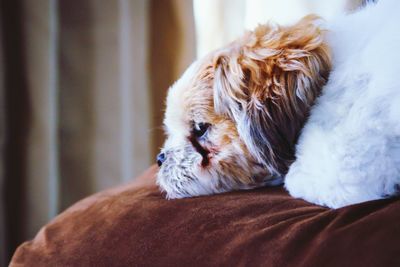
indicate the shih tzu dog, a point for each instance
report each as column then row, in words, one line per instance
column 234, row 118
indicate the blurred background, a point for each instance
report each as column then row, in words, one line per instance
column 82, row 88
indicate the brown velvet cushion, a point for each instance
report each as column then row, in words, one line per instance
column 135, row 226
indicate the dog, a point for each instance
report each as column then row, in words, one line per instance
column 235, row 116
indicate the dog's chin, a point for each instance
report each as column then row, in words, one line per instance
column 182, row 175
column 180, row 183
column 176, row 182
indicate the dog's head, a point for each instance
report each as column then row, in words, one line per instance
column 233, row 118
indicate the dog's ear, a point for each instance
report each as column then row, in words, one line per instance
column 267, row 83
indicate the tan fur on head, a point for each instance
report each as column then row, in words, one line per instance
column 253, row 96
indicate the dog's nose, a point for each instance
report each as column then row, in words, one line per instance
column 160, row 159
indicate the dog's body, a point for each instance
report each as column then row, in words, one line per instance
column 234, row 117
column 349, row 150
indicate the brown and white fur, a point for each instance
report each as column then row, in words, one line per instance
column 232, row 120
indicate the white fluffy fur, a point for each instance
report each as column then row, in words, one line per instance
column 349, row 150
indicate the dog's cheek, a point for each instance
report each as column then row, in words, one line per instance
column 233, row 160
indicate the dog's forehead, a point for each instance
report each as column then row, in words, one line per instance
column 176, row 115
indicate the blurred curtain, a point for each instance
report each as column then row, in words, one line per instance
column 82, row 85
column 3, row 245
column 172, row 49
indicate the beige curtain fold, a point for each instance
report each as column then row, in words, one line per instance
column 83, row 90
column 97, row 97
column 41, row 185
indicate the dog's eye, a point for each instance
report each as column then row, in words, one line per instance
column 199, row 129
